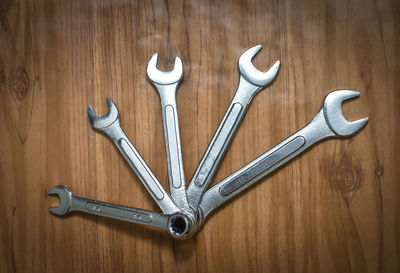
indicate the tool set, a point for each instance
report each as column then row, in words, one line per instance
column 185, row 210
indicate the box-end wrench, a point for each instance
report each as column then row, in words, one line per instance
column 110, row 125
column 166, row 84
column 329, row 122
column 176, row 224
column 251, row 81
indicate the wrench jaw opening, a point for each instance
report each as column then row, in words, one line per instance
column 101, row 122
column 158, row 77
column 334, row 116
column 65, row 196
column 252, row 74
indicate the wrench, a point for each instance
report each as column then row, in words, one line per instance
column 176, row 224
column 109, row 124
column 329, row 122
column 251, row 81
column 166, row 84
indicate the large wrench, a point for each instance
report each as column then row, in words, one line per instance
column 109, row 124
column 329, row 122
column 166, row 84
column 176, row 224
column 251, row 81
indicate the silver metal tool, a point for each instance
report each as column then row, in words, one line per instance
column 109, row 124
column 166, row 84
column 251, row 81
column 176, row 224
column 329, row 122
column 187, row 210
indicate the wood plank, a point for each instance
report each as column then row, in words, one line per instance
column 336, row 208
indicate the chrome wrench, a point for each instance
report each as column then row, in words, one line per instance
column 251, row 81
column 329, row 122
column 109, row 124
column 166, row 84
column 176, row 224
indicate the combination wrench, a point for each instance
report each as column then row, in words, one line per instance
column 166, row 84
column 176, row 224
column 110, row 125
column 251, row 81
column 329, row 122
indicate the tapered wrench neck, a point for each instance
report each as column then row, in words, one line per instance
column 167, row 93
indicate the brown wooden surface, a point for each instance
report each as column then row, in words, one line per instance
column 336, row 208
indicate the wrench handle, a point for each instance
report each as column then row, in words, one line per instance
column 119, row 212
column 174, row 155
column 141, row 169
column 174, row 158
column 260, row 167
column 173, row 147
column 220, row 141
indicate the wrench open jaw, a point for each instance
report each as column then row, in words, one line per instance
column 329, row 122
column 64, row 194
column 101, row 122
column 334, row 116
column 164, row 77
column 252, row 74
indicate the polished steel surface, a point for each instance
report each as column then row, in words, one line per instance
column 166, row 84
column 251, row 81
column 187, row 209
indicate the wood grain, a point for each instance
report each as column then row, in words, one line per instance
column 336, row 208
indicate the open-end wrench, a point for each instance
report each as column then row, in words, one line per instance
column 109, row 124
column 251, row 81
column 177, row 224
column 166, row 84
column 329, row 122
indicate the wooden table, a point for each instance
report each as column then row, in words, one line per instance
column 336, row 208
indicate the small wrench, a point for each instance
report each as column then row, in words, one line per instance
column 329, row 122
column 251, row 81
column 176, row 224
column 109, row 124
column 166, row 84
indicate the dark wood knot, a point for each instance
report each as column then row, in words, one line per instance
column 346, row 175
column 19, row 84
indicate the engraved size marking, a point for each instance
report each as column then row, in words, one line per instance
column 218, row 144
column 96, row 209
column 136, row 217
column 119, row 212
column 141, row 169
column 263, row 165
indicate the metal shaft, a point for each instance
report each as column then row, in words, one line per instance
column 254, row 171
column 220, row 141
column 142, row 170
column 119, row 212
column 173, row 145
